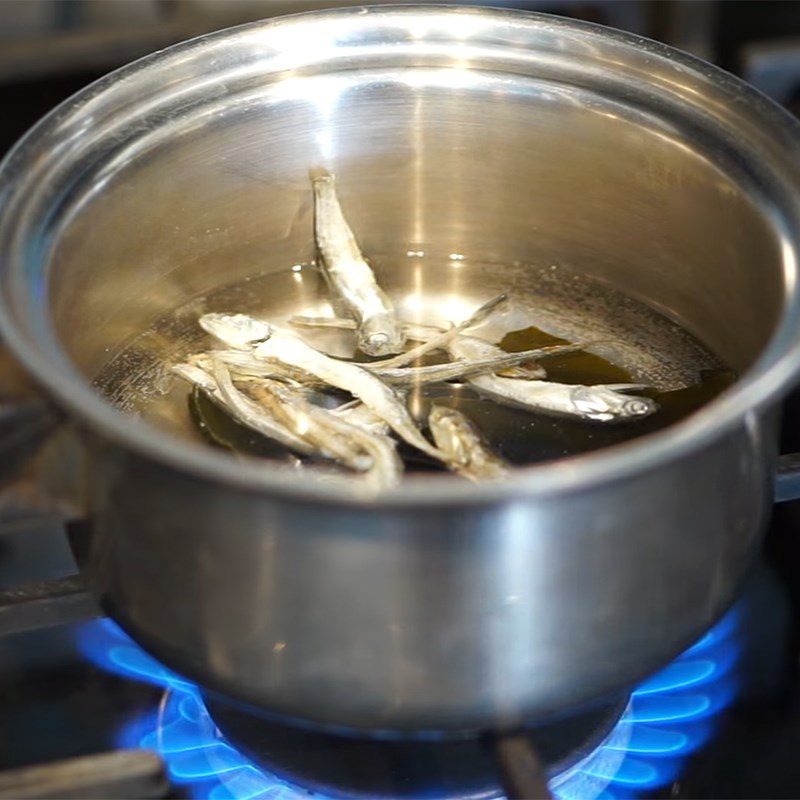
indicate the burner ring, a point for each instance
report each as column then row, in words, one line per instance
column 381, row 769
column 669, row 717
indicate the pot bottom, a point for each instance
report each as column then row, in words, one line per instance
column 367, row 767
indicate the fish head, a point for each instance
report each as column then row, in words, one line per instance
column 381, row 337
column 376, row 344
column 448, row 430
column 320, row 174
column 441, row 414
column 605, row 404
column 202, row 361
column 238, row 331
column 194, row 375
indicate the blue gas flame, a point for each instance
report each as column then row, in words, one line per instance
column 668, row 717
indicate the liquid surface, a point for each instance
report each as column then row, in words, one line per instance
column 550, row 305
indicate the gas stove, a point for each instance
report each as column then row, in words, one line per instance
column 85, row 712
column 88, row 713
column 639, row 743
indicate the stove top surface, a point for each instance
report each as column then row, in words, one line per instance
column 721, row 720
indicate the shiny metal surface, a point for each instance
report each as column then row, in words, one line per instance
column 509, row 137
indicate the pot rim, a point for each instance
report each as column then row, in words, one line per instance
column 760, row 386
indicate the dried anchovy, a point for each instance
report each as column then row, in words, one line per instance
column 470, row 456
column 379, row 331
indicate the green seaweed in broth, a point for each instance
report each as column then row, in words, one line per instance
column 577, row 367
column 221, row 430
column 523, row 437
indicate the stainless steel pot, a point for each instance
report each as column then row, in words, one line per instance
column 517, row 136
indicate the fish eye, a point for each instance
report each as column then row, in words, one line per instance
column 637, row 407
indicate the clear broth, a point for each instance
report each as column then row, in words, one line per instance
column 550, row 305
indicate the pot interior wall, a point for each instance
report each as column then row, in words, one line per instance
column 437, row 160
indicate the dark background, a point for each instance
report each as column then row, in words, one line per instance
column 51, row 48
column 56, row 705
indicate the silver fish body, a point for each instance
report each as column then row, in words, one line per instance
column 238, row 331
column 610, row 403
column 337, row 323
column 371, row 390
column 417, row 331
column 245, row 364
column 379, row 330
column 362, row 416
column 351, row 446
column 598, row 403
column 439, row 340
column 472, row 347
column 240, row 407
column 194, row 375
column 470, row 456
column 282, row 413
column 365, row 452
column 466, row 368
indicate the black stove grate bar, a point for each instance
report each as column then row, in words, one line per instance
column 42, row 604
column 121, row 774
column 520, row 769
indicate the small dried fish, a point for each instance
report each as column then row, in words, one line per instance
column 238, row 331
column 471, row 347
column 245, row 364
column 240, row 407
column 339, row 323
column 600, row 403
column 374, row 393
column 382, row 467
column 356, row 413
column 458, row 436
column 467, row 368
column 196, row 376
column 440, row 340
column 413, row 330
column 379, row 331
